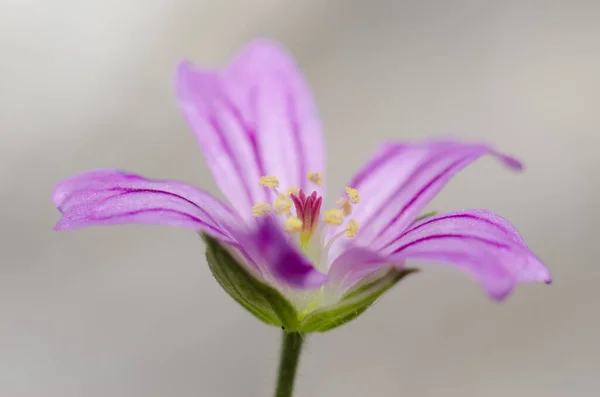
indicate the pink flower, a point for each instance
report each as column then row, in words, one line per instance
column 260, row 133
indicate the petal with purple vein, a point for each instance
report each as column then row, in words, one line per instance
column 482, row 244
column 109, row 197
column 255, row 118
column 399, row 181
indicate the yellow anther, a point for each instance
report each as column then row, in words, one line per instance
column 334, row 217
column 353, row 195
column 347, row 208
column 341, row 201
column 261, row 209
column 292, row 224
column 351, row 228
column 282, row 205
column 315, row 177
column 292, row 190
column 269, row 181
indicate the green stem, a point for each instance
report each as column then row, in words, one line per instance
column 291, row 346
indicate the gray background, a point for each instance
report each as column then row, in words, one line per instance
column 133, row 311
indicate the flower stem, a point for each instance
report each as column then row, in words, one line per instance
column 291, row 346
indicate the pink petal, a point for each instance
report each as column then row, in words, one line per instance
column 353, row 265
column 269, row 249
column 109, row 197
column 482, row 244
column 399, row 181
column 255, row 118
column 486, row 227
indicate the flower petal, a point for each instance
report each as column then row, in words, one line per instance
column 109, row 197
column 255, row 118
column 353, row 265
column 484, row 226
column 272, row 253
column 399, row 181
column 482, row 244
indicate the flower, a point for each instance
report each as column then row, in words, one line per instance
column 261, row 137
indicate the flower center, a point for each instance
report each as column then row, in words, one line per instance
column 302, row 212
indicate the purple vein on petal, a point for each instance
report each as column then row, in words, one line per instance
column 121, row 191
column 224, row 135
column 128, row 191
column 103, row 197
column 423, row 190
column 150, row 210
column 451, row 236
column 295, row 129
column 234, row 161
column 414, row 176
column 446, row 217
column 376, row 163
column 250, row 132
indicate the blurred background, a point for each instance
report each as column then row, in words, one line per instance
column 134, row 311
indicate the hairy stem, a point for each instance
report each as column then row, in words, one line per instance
column 291, row 347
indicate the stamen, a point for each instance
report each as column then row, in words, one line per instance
column 261, row 209
column 351, row 231
column 327, row 247
column 282, row 205
column 334, row 217
column 353, row 195
column 352, row 228
column 347, row 208
column 292, row 224
column 331, row 241
column 292, row 190
column 315, row 177
column 345, row 203
column 269, row 181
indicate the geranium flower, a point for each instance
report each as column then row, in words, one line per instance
column 276, row 240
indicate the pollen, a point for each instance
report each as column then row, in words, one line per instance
column 282, row 205
column 353, row 195
column 315, row 177
column 292, row 224
column 352, row 228
column 269, row 181
column 261, row 209
column 334, row 217
column 292, row 190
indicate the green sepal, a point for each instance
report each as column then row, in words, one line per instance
column 263, row 301
column 353, row 303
